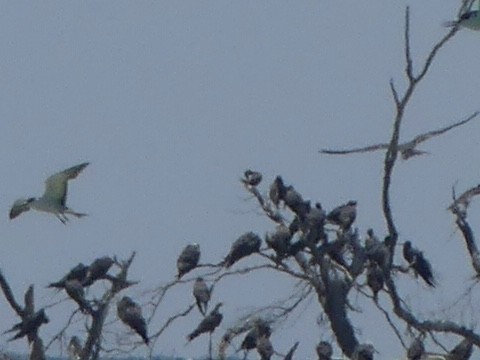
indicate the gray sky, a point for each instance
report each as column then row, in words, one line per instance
column 172, row 101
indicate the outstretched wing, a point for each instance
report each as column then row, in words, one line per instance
column 355, row 150
column 423, row 137
column 56, row 185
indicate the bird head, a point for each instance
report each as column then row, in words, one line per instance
column 20, row 206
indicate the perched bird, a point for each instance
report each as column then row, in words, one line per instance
column 245, row 245
column 79, row 273
column 131, row 315
column 344, row 215
column 375, row 278
column 363, row 352
column 290, row 353
column 376, row 250
column 54, row 198
column 74, row 348
column 202, row 294
column 294, row 201
column 277, row 191
column 252, row 178
column 264, row 347
column 324, row 350
column 463, row 351
column 408, row 148
column 279, row 241
column 208, row 324
column 97, row 270
column 416, row 350
column 313, row 224
column 29, row 326
column 420, row 265
column 188, row 259
column 469, row 19
column 75, row 290
column 249, row 342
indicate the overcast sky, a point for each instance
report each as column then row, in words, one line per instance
column 172, row 101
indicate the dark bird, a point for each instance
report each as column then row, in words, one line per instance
column 420, row 265
column 463, row 351
column 97, row 270
column 324, row 350
column 363, row 352
column 252, row 178
column 290, row 353
column 244, row 246
column 279, row 241
column 131, row 315
column 277, row 191
column 264, row 347
column 294, row 201
column 260, row 328
column 29, row 326
column 376, row 250
column 208, row 324
column 79, row 273
column 188, row 259
column 74, row 348
column 416, row 350
column 54, row 198
column 38, row 351
column 202, row 294
column 375, row 279
column 75, row 290
column 406, row 149
column 344, row 215
column 314, row 223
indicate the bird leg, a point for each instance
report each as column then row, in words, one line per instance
column 76, row 214
column 63, row 218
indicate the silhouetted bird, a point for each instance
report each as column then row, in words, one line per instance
column 277, row 191
column 54, row 198
column 264, row 348
column 363, row 352
column 376, row 250
column 313, row 224
column 252, row 178
column 208, row 324
column 294, row 201
column 344, row 215
column 279, row 241
column 463, row 351
column 131, row 315
column 416, row 350
column 74, row 348
column 29, row 326
column 79, row 273
column 201, row 292
column 97, row 270
column 188, row 259
column 324, row 350
column 245, row 245
column 420, row 265
column 75, row 290
column 290, row 353
column 375, row 278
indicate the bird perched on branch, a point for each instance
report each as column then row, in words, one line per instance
column 244, row 246
column 79, row 273
column 324, row 350
column 277, row 191
column 131, row 315
column 54, row 198
column 344, row 215
column 279, row 241
column 202, row 294
column 75, row 290
column 208, row 324
column 375, row 278
column 417, row 261
column 97, row 270
column 252, row 178
column 188, row 259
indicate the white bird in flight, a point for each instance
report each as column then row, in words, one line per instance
column 54, row 198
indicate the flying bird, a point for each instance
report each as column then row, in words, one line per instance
column 98, row 269
column 188, row 259
column 252, row 178
column 324, row 350
column 79, row 273
column 245, row 245
column 417, row 261
column 131, row 315
column 29, row 326
column 54, row 198
column 344, row 215
column 208, row 324
column 406, row 149
column 74, row 348
column 202, row 294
